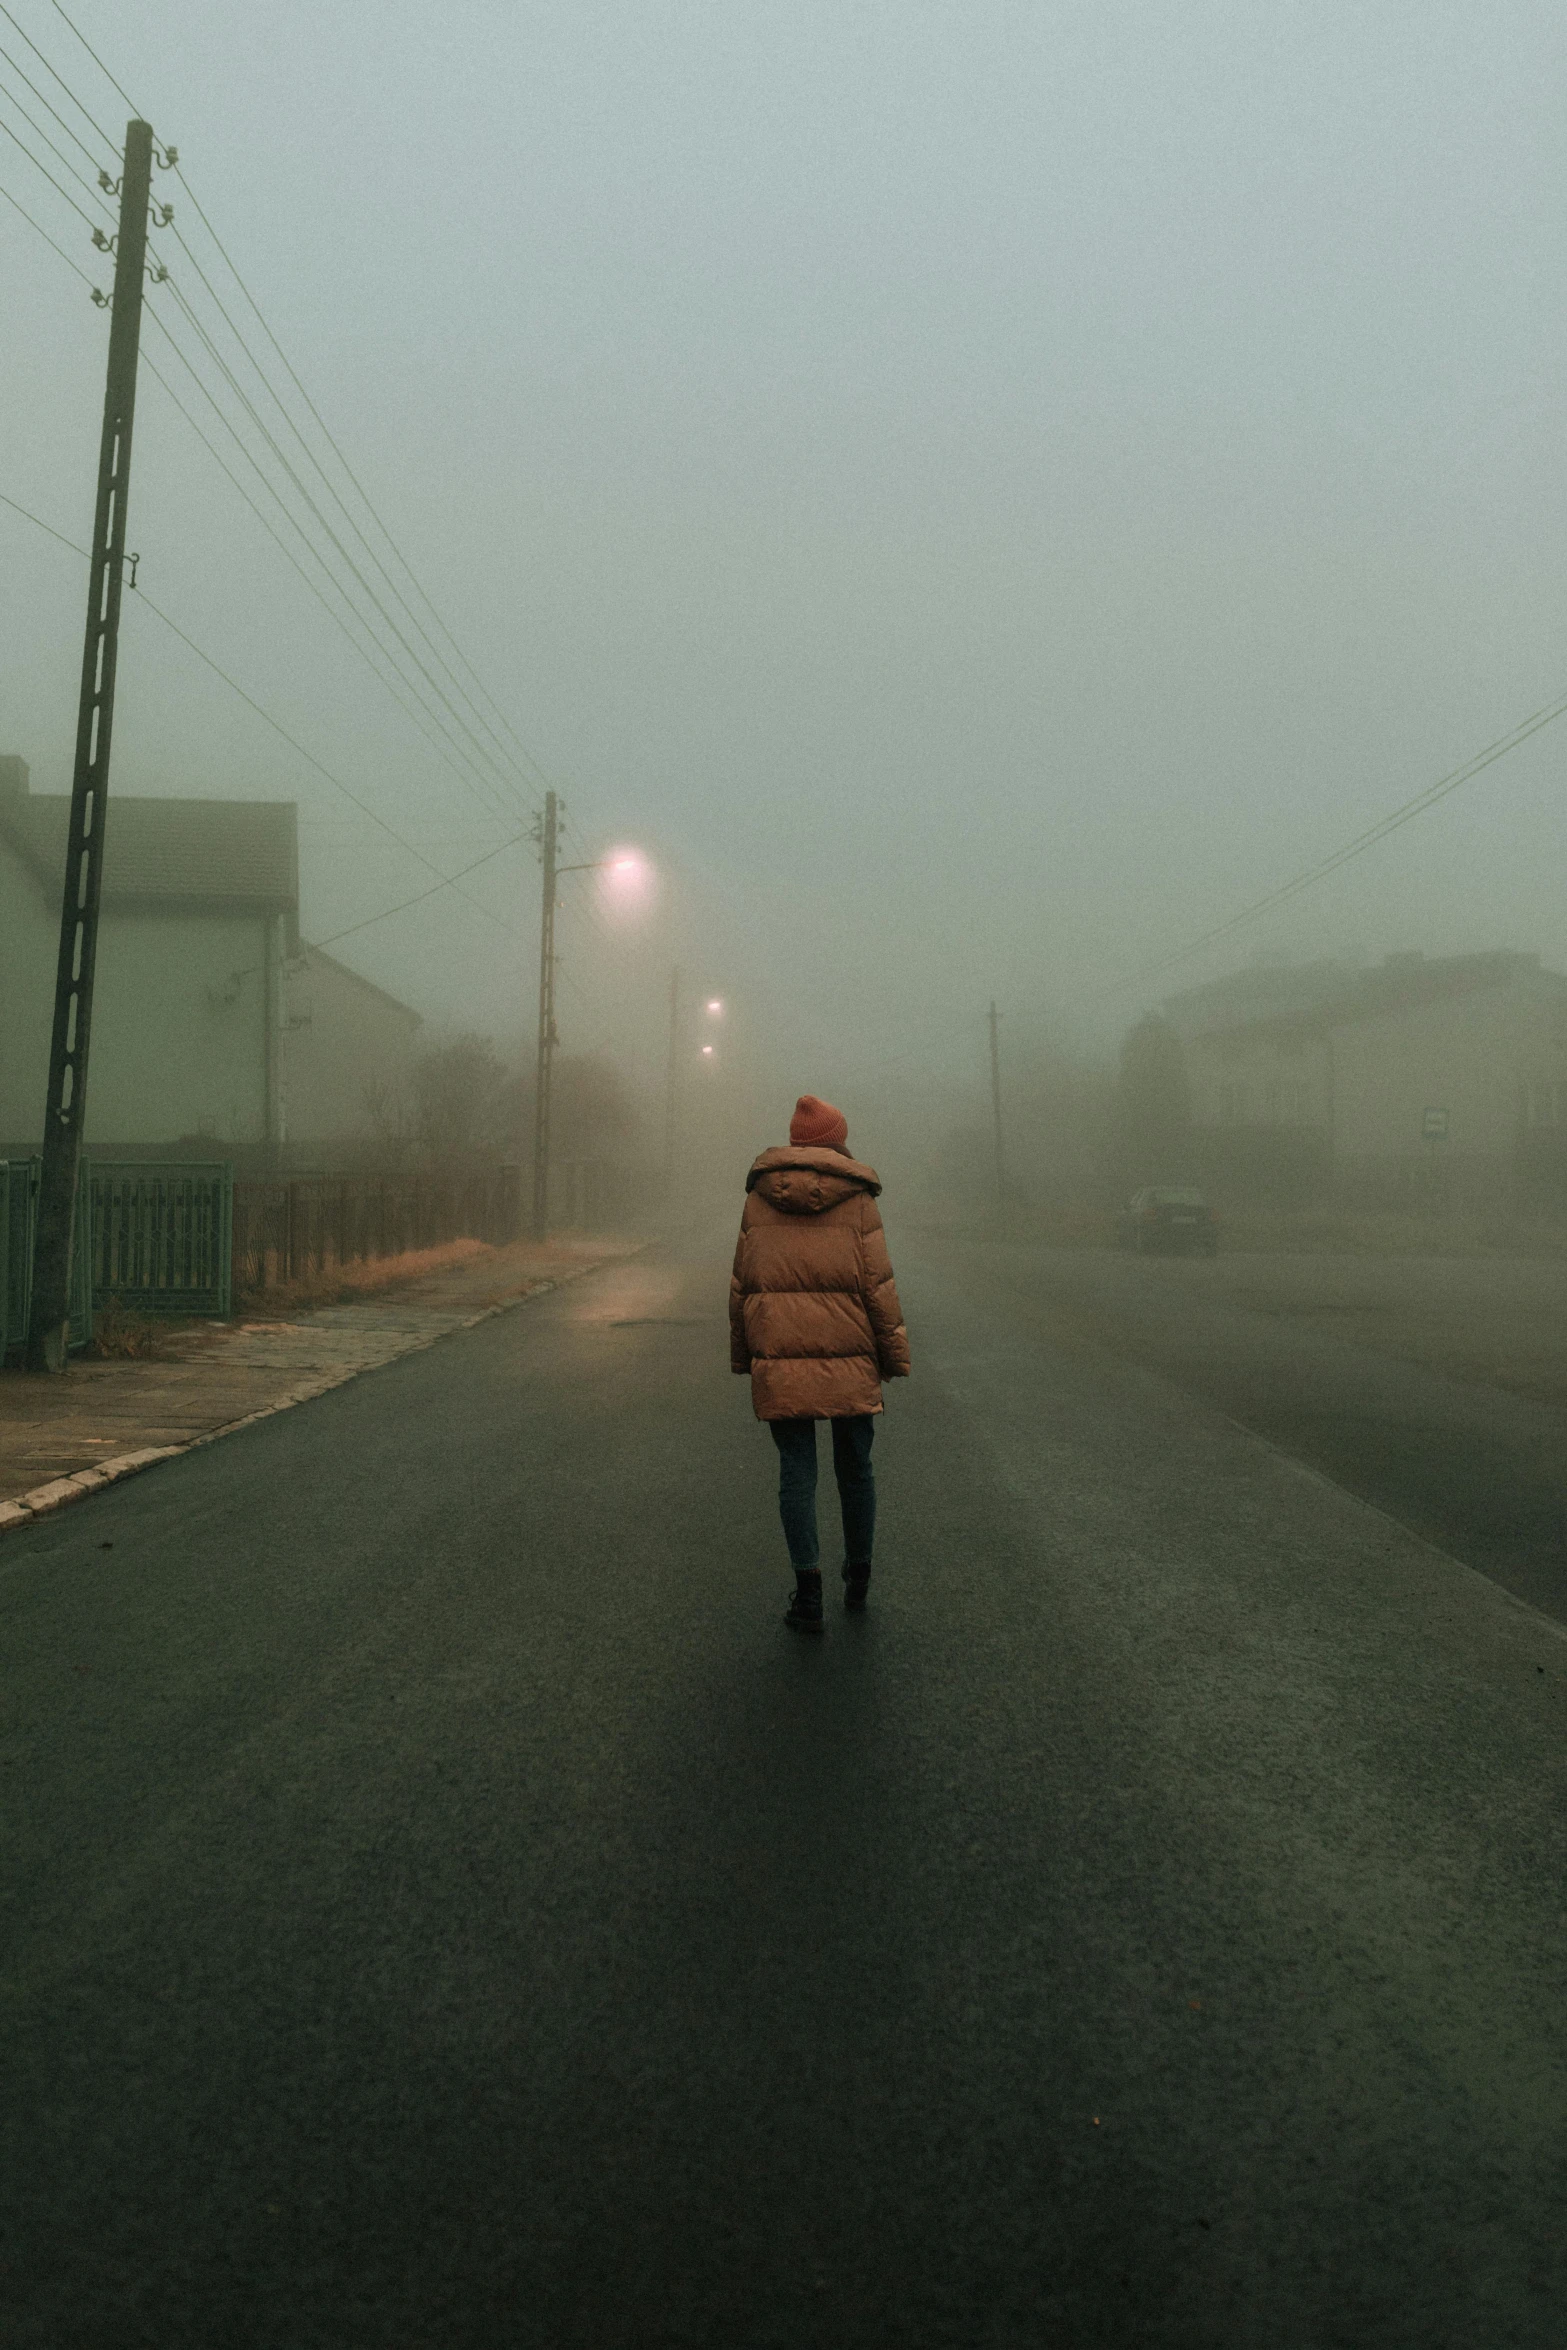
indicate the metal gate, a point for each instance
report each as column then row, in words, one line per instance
column 19, row 1181
column 162, row 1236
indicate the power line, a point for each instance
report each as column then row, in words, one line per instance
column 60, row 78
column 369, row 506
column 336, row 496
column 330, row 439
column 39, row 132
column 479, row 753
column 1394, row 821
column 249, row 406
column 48, row 174
column 443, row 881
column 433, row 891
column 44, row 233
column 436, row 740
column 93, row 54
column 490, row 804
column 38, row 521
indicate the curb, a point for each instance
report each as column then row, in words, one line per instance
column 44, row 1500
column 314, row 1387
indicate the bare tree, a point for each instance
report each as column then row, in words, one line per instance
column 464, row 1102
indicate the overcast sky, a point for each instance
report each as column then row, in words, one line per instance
column 979, row 492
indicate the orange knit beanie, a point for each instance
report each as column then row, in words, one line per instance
column 816, row 1125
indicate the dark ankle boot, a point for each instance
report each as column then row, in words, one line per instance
column 856, row 1583
column 804, row 1613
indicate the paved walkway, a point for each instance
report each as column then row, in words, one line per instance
column 60, row 1438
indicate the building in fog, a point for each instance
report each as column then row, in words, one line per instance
column 1414, row 1078
column 348, row 1054
column 212, row 1020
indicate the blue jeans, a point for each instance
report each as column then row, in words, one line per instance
column 851, row 1464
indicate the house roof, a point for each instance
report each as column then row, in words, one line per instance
column 1397, row 984
column 312, row 956
column 1263, row 991
column 217, row 854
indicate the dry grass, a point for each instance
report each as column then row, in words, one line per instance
column 341, row 1284
column 118, row 1335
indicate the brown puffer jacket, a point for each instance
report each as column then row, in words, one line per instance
column 813, row 1313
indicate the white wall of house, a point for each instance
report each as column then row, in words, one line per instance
column 1491, row 1057
column 29, row 944
column 178, row 1044
column 1252, row 1078
column 1487, row 1058
column 348, row 1054
column 178, row 1006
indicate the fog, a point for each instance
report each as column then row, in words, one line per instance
column 976, row 494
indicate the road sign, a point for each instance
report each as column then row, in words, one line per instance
column 1433, row 1126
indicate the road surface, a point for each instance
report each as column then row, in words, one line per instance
column 443, row 1905
column 1432, row 1387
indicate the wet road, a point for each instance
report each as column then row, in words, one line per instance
column 1324, row 1358
column 443, row 1905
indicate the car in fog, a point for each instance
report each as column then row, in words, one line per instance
column 1167, row 1216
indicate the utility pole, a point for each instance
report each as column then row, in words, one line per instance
column 548, row 1039
column 995, row 1097
column 672, row 1094
column 49, row 1323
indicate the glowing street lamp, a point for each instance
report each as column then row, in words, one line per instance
column 627, row 877
column 715, row 1004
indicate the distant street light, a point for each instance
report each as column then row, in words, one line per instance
column 679, row 1046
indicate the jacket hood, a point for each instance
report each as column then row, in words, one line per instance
column 804, row 1181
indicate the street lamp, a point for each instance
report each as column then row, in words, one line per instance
column 679, row 1046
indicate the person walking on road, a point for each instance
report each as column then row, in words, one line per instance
column 815, row 1324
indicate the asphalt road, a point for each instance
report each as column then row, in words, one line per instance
column 1324, row 1358
column 442, row 1904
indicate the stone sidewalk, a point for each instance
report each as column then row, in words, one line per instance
column 62, row 1438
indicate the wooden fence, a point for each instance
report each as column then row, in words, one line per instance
column 287, row 1229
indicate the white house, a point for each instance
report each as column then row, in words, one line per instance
column 211, row 1018
column 1418, row 1074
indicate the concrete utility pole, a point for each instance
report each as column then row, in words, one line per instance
column 672, row 1093
column 548, row 1038
column 995, row 1096
column 49, row 1323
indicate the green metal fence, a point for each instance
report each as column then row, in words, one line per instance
column 161, row 1236
column 19, row 1180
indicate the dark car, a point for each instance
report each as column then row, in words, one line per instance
column 1169, row 1216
